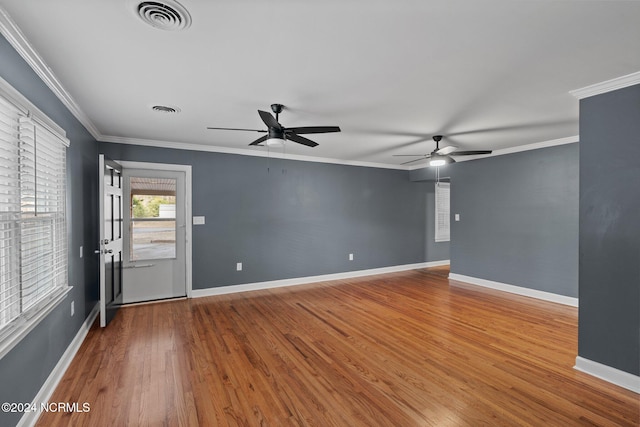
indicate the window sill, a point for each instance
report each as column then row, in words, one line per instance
column 19, row 328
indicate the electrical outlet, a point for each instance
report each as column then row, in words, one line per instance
column 350, row 257
column 457, row 217
column 239, row 266
column 73, row 308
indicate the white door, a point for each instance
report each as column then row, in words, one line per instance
column 155, row 232
column 111, row 233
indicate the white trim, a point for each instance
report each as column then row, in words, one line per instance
column 517, row 149
column 609, row 374
column 607, row 86
column 537, row 145
column 188, row 209
column 25, row 323
column 27, row 108
column 257, row 152
column 519, row 290
column 14, row 36
column 222, row 290
column 52, row 381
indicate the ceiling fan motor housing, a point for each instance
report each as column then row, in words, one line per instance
column 276, row 133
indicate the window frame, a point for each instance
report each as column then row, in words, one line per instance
column 442, row 214
column 15, row 330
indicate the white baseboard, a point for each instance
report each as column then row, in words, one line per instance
column 198, row 293
column 609, row 374
column 49, row 386
column 533, row 293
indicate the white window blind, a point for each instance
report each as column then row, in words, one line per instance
column 9, row 212
column 33, row 248
column 443, row 218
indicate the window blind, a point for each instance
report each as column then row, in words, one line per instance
column 9, row 212
column 43, row 225
column 442, row 215
column 33, row 248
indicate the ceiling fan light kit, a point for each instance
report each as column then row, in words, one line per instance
column 437, row 161
column 277, row 135
column 443, row 156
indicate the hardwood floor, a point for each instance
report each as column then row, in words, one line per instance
column 402, row 349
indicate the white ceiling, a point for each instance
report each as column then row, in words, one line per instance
column 486, row 74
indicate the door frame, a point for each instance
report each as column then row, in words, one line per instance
column 187, row 206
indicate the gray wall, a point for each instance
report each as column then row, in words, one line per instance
column 26, row 367
column 518, row 219
column 609, row 321
column 286, row 219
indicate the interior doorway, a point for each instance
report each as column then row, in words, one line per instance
column 157, row 231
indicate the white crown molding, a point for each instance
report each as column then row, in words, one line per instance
column 246, row 287
column 607, row 86
column 243, row 151
column 609, row 374
column 517, row 149
column 17, row 39
column 519, row 290
column 537, row 145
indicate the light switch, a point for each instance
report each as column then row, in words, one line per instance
column 457, row 217
column 198, row 220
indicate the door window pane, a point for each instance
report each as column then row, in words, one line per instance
column 153, row 218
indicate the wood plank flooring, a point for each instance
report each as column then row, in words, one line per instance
column 402, row 349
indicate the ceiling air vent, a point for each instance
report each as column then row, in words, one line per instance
column 165, row 109
column 166, row 15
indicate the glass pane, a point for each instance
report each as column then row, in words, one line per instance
column 153, row 218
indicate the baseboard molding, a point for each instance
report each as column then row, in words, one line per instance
column 533, row 293
column 199, row 293
column 609, row 374
column 30, row 418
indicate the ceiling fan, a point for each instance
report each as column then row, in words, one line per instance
column 442, row 156
column 276, row 134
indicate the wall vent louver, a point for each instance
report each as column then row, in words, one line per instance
column 166, row 15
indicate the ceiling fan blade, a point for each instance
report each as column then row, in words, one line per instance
column 446, row 150
column 313, row 129
column 269, row 120
column 409, row 155
column 249, row 130
column 259, row 140
column 301, row 140
column 414, row 160
column 471, row 153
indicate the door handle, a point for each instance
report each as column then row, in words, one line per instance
column 139, row 266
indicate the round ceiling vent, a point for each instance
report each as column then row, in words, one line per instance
column 166, row 15
column 165, row 109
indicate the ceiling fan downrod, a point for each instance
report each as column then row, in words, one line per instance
column 277, row 109
column 437, row 139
